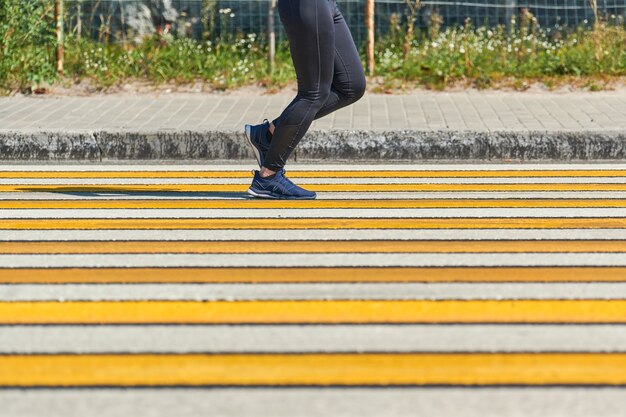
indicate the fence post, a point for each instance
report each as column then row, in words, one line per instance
column 59, row 20
column 79, row 17
column 510, row 12
column 271, row 35
column 369, row 24
column 594, row 9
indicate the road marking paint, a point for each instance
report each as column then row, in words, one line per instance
column 313, row 291
column 374, row 173
column 363, row 246
column 50, row 182
column 205, row 260
column 311, row 234
column 311, row 204
column 570, row 401
column 299, row 213
column 303, row 275
column 590, row 304
column 314, row 369
column 343, row 196
column 303, row 223
column 410, row 338
column 320, row 312
column 241, row 188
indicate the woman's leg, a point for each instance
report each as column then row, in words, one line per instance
column 310, row 27
column 349, row 78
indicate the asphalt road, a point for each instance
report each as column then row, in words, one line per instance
column 447, row 290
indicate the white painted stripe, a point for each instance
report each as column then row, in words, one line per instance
column 315, row 402
column 313, row 260
column 341, row 234
column 312, row 338
column 152, row 195
column 310, row 213
column 315, row 291
column 211, row 166
column 302, row 181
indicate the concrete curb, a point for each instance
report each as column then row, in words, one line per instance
column 333, row 145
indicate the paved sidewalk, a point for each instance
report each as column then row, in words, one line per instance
column 459, row 126
column 476, row 111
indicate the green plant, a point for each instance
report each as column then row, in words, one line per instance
column 27, row 44
column 473, row 56
column 222, row 65
column 413, row 6
column 482, row 56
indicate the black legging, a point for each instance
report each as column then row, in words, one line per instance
column 328, row 68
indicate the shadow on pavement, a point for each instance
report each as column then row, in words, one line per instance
column 97, row 191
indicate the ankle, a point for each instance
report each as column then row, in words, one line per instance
column 266, row 172
column 272, row 127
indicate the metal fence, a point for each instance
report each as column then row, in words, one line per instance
column 126, row 20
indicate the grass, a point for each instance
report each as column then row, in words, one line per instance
column 27, row 44
column 224, row 65
column 479, row 57
column 487, row 57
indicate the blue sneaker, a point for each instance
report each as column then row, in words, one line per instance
column 256, row 135
column 278, row 187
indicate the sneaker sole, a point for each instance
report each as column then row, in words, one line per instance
column 274, row 197
column 254, row 148
column 258, row 195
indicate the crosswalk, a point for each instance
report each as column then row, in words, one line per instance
column 404, row 289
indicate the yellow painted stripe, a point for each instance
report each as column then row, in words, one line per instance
column 333, row 246
column 241, row 188
column 514, row 173
column 255, row 203
column 267, row 312
column 300, row 275
column 284, row 224
column 314, row 369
